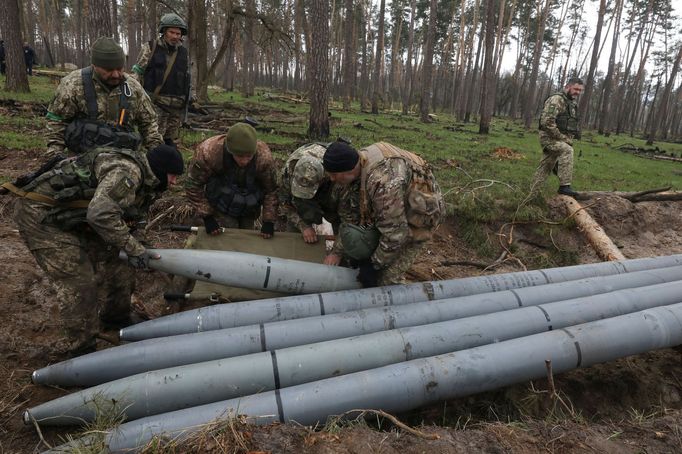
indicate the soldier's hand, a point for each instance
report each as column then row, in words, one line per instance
column 267, row 230
column 568, row 140
column 141, row 262
column 309, row 235
column 212, row 226
column 332, row 259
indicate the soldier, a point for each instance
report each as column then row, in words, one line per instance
column 559, row 125
column 163, row 69
column 390, row 207
column 29, row 58
column 2, row 56
column 75, row 218
column 230, row 177
column 100, row 105
column 306, row 194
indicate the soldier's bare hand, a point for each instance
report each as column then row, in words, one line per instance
column 309, row 235
column 332, row 259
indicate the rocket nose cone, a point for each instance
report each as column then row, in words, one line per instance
column 27, row 418
column 34, row 377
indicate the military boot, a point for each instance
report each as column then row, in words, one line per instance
column 567, row 190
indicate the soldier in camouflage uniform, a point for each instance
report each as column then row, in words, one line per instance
column 306, row 194
column 559, row 126
column 230, row 177
column 391, row 204
column 75, row 219
column 163, row 69
column 112, row 89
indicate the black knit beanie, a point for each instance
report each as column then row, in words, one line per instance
column 340, row 157
column 163, row 160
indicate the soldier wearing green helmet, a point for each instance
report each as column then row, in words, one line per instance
column 231, row 179
column 163, row 68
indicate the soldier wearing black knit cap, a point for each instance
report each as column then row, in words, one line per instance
column 389, row 209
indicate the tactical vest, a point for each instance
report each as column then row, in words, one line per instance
column 424, row 205
column 73, row 180
column 567, row 122
column 225, row 194
column 85, row 134
column 176, row 82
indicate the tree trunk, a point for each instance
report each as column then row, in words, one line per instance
column 664, row 98
column 427, row 69
column 585, row 98
column 10, row 23
column 488, row 72
column 99, row 19
column 318, row 70
column 531, row 91
column 407, row 87
column 348, row 57
column 608, row 81
column 198, row 47
column 378, row 60
column 114, row 20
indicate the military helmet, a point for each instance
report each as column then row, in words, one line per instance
column 308, row 174
column 172, row 20
column 359, row 242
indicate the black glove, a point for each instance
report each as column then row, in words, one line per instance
column 368, row 275
column 139, row 262
column 268, row 228
column 211, row 225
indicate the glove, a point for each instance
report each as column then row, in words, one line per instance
column 141, row 262
column 368, row 275
column 212, row 226
column 268, row 228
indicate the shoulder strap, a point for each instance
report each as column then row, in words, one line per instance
column 169, row 66
column 37, row 197
column 89, row 89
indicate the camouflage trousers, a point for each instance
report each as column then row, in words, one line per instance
column 554, row 153
column 91, row 282
column 170, row 122
column 395, row 272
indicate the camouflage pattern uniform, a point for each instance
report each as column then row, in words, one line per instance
column 169, row 109
column 308, row 180
column 388, row 185
column 91, row 282
column 207, row 162
column 557, row 147
column 69, row 103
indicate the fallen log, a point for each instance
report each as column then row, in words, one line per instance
column 650, row 195
column 593, row 232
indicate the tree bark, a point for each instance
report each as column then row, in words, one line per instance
column 348, row 57
column 589, row 82
column 664, row 98
column 593, row 232
column 318, row 70
column 427, row 70
column 378, row 60
column 608, row 81
column 10, row 23
column 488, row 72
column 531, row 91
column 99, row 19
column 407, row 87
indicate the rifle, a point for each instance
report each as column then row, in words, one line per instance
column 25, row 179
column 188, row 96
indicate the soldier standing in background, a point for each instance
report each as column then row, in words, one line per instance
column 2, row 57
column 559, row 126
column 163, row 69
column 230, row 177
column 29, row 58
column 390, row 207
column 306, row 194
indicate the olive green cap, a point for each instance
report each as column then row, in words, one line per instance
column 107, row 54
column 308, row 174
column 240, row 140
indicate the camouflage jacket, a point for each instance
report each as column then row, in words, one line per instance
column 554, row 106
column 386, row 187
column 69, row 103
column 119, row 183
column 140, row 66
column 207, row 161
column 286, row 178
